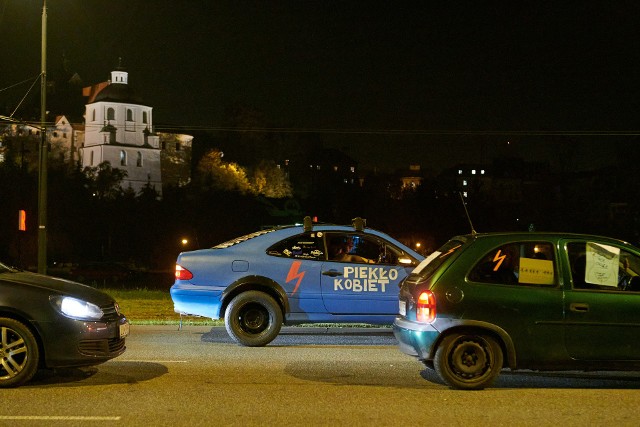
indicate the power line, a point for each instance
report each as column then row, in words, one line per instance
column 402, row 131
column 19, row 83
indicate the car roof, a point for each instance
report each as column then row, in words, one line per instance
column 278, row 233
column 534, row 235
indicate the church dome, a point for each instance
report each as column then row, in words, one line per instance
column 118, row 92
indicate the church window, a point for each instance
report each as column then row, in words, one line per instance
column 123, row 158
column 139, row 160
column 93, row 115
column 177, row 146
column 91, row 160
column 144, row 117
column 111, row 114
column 129, row 115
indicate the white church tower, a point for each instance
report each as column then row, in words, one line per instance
column 119, row 129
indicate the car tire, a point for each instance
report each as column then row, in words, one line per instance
column 253, row 319
column 468, row 361
column 19, row 353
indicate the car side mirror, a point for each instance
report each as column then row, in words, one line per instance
column 404, row 260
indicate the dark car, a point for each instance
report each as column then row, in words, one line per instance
column 46, row 322
column 541, row 301
column 292, row 275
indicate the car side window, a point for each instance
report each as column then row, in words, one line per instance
column 522, row 263
column 302, row 246
column 351, row 247
column 604, row 267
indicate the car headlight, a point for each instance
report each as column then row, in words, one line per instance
column 76, row 308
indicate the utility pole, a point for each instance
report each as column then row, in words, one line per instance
column 43, row 152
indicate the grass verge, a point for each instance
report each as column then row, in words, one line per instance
column 152, row 307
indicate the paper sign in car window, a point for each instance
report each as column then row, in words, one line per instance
column 602, row 264
column 536, row 271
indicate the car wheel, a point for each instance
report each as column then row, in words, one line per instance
column 253, row 318
column 469, row 362
column 19, row 353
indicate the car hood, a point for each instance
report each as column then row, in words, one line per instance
column 58, row 286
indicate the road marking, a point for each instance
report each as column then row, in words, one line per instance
column 57, row 418
column 152, row 361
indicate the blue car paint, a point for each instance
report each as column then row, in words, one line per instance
column 313, row 290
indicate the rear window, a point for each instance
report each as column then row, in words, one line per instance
column 302, row 246
column 517, row 263
column 431, row 263
column 242, row 239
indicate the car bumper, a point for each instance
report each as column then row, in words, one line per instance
column 193, row 300
column 414, row 338
column 70, row 342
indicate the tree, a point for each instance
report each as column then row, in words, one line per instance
column 215, row 174
column 270, row 181
column 105, row 181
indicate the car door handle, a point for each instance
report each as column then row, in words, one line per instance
column 579, row 307
column 332, row 273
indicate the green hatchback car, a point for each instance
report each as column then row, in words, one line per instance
column 541, row 301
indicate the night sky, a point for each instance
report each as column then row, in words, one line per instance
column 390, row 82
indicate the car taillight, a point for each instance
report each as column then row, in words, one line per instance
column 182, row 273
column 426, row 307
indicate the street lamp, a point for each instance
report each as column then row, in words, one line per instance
column 43, row 153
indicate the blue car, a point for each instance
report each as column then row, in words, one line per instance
column 292, row 275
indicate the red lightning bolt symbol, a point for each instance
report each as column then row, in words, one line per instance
column 499, row 258
column 294, row 274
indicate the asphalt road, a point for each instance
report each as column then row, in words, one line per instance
column 312, row 376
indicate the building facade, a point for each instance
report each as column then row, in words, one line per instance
column 119, row 129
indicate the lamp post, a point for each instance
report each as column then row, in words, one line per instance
column 43, row 152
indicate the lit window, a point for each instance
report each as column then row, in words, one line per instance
column 482, row 172
column 335, row 169
column 465, row 194
column 464, row 182
column 353, row 169
column 473, row 172
column 459, row 171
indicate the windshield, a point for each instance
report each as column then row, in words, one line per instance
column 436, row 259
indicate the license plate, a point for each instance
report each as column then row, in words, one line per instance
column 402, row 309
column 124, row 330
